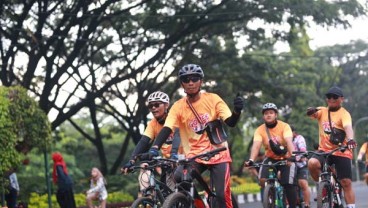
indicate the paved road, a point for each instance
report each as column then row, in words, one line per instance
column 361, row 194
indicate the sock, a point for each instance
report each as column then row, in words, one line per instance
column 350, row 206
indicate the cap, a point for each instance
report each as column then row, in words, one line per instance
column 336, row 91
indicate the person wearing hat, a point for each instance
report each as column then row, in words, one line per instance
column 335, row 128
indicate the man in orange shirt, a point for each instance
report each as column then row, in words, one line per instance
column 364, row 151
column 158, row 104
column 337, row 117
column 278, row 132
column 191, row 114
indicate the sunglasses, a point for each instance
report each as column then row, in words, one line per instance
column 335, row 97
column 156, row 105
column 188, row 79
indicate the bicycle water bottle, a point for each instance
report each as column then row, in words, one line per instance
column 279, row 194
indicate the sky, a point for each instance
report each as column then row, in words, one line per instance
column 327, row 37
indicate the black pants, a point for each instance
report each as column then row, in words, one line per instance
column 65, row 198
column 220, row 176
column 11, row 198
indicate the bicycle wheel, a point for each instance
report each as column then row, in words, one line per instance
column 324, row 195
column 234, row 200
column 269, row 196
column 143, row 202
column 176, row 200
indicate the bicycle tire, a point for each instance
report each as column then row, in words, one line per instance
column 143, row 202
column 324, row 195
column 176, row 200
column 269, row 196
column 234, row 200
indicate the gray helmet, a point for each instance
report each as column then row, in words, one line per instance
column 158, row 96
column 269, row 106
column 191, row 69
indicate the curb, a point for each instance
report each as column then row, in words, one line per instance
column 249, row 198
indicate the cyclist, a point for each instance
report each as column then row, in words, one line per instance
column 335, row 128
column 191, row 114
column 301, row 164
column 364, row 151
column 158, row 104
column 276, row 137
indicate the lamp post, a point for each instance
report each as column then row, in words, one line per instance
column 356, row 149
column 47, row 179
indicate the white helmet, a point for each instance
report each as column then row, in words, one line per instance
column 269, row 106
column 191, row 69
column 158, row 96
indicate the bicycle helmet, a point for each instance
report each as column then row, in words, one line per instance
column 158, row 96
column 191, row 69
column 269, row 106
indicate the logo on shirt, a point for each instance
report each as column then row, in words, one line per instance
column 195, row 125
column 326, row 126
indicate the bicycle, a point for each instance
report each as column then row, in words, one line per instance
column 329, row 193
column 273, row 194
column 154, row 195
column 185, row 191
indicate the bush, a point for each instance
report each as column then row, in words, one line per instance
column 241, row 185
column 248, row 188
column 40, row 201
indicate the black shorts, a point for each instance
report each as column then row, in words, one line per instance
column 366, row 168
column 287, row 173
column 302, row 173
column 342, row 165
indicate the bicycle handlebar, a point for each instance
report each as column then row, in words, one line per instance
column 205, row 156
column 324, row 154
column 269, row 164
column 152, row 164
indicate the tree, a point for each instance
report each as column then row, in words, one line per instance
column 23, row 126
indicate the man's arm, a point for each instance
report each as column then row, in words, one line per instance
column 176, row 142
column 238, row 107
column 349, row 131
column 161, row 138
column 233, row 119
column 289, row 143
column 142, row 146
column 255, row 150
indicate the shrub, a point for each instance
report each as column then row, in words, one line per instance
column 246, row 188
column 40, row 201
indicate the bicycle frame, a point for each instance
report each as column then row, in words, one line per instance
column 327, row 178
column 277, row 198
column 156, row 189
column 185, row 192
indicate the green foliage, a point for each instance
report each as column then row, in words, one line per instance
column 41, row 201
column 248, row 188
column 242, row 185
column 23, row 126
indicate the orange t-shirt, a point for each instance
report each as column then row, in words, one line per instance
column 281, row 131
column 339, row 119
column 209, row 107
column 152, row 130
column 364, row 150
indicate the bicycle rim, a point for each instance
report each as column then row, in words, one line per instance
column 143, row 202
column 269, row 197
column 324, row 195
column 176, row 200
